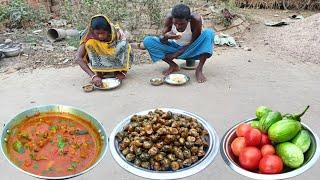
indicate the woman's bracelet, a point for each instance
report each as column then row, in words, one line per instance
column 93, row 77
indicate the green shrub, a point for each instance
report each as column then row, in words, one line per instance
column 18, row 12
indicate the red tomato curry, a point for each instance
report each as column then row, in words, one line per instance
column 54, row 144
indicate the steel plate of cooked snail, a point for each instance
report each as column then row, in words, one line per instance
column 171, row 142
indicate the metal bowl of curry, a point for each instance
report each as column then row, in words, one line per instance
column 54, row 142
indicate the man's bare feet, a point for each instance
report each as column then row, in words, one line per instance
column 172, row 68
column 120, row 75
column 200, row 77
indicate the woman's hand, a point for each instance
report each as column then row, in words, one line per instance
column 97, row 81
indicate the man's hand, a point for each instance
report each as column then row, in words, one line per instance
column 171, row 35
column 97, row 81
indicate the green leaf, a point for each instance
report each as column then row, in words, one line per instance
column 35, row 166
column 70, row 169
column 53, row 128
column 46, row 171
column 74, row 164
column 61, row 142
column 18, row 147
column 32, row 156
column 24, row 135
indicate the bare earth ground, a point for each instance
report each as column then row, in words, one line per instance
column 238, row 82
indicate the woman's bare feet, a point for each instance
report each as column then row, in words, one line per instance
column 172, row 68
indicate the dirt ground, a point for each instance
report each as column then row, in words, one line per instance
column 238, row 82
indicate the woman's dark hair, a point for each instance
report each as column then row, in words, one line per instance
column 181, row 11
column 100, row 23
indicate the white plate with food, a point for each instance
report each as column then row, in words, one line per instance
column 176, row 79
column 109, row 83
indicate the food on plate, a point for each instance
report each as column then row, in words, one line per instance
column 179, row 34
column 178, row 79
column 163, row 141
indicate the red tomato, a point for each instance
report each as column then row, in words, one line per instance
column 249, row 158
column 267, row 150
column 264, row 140
column 242, row 129
column 237, row 145
column 271, row 164
column 253, row 137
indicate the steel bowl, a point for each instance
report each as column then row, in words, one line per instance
column 181, row 173
column 2, row 46
column 156, row 81
column 12, row 51
column 55, row 108
column 311, row 156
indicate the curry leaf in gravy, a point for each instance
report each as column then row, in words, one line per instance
column 18, row 147
column 52, row 142
column 53, row 128
column 62, row 121
column 46, row 171
column 24, row 135
column 73, row 166
column 32, row 156
column 71, row 124
column 35, row 166
column 61, row 142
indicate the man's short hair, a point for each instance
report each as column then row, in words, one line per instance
column 181, row 11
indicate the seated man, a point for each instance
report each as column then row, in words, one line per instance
column 104, row 46
column 183, row 38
